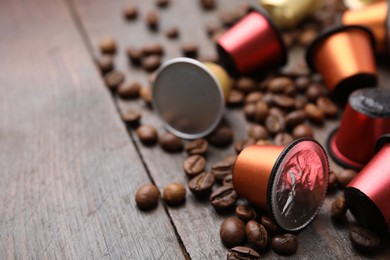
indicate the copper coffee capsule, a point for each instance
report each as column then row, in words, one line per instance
column 289, row 182
column 344, row 56
column 252, row 45
column 368, row 195
column 288, row 13
column 189, row 96
column 366, row 117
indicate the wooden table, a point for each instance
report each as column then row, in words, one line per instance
column 70, row 167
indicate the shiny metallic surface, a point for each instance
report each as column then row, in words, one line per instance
column 252, row 45
column 188, row 98
column 222, row 77
column 289, row 13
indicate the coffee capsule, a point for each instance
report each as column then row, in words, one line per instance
column 252, row 45
column 344, row 56
column 189, row 96
column 357, row 4
column 289, row 182
column 288, row 13
column 375, row 17
column 367, row 196
column 366, row 117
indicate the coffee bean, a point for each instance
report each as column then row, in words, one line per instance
column 261, row 111
column 228, row 180
column 269, row 225
column 152, row 20
column 314, row 114
column 147, row 197
column 300, row 102
column 253, row 97
column 278, row 84
column 189, row 49
column 257, row 234
column 314, row 91
column 285, row 244
column 147, row 134
column 277, row 112
column 295, row 118
column 307, row 36
column 258, row 132
column 130, row 12
column 301, row 83
column 236, row 98
column 268, row 98
column 194, row 165
column 275, row 124
column 162, row 3
column 245, row 84
column 174, row 194
column 245, row 212
column 231, row 159
column 302, row 130
column 283, row 139
column 212, row 28
column 250, row 111
column 151, row 63
column 289, row 38
column 221, row 169
column 198, row 146
column 242, row 253
column 284, row 102
column 332, row 181
column 222, row 136
column 242, row 144
column 135, row 55
column 172, row 32
column 105, row 64
column 232, row 232
column 202, row 184
column 113, row 79
column 327, row 106
column 132, row 117
column 339, row 208
column 208, row 4
column 170, row 143
column 129, row 89
column 345, row 177
column 153, row 49
column 223, row 198
column 107, row 45
column 290, row 91
column 228, row 18
column 363, row 239
column 146, row 94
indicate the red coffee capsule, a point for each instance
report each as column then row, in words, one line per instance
column 289, row 182
column 344, row 56
column 252, row 45
column 368, row 195
column 366, row 117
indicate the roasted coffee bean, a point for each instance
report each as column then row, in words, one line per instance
column 302, row 130
column 170, row 143
column 189, row 49
column 153, row 49
column 278, row 84
column 339, row 208
column 285, row 244
column 105, row 64
column 253, row 97
column 307, row 36
column 147, row 134
column 208, row 4
column 290, row 91
column 363, row 239
column 228, row 18
column 245, row 84
column 283, row 139
column 129, row 89
column 257, row 234
column 107, row 45
column 277, row 112
column 269, row 225
column 242, row 253
column 172, row 32
column 289, row 38
column 242, row 144
column 231, row 159
column 268, row 98
column 132, row 117
column 295, row 118
column 152, row 20
column 130, row 12
column 261, row 111
column 194, row 165
column 232, row 232
column 212, row 28
column 228, row 180
column 245, row 212
column 113, row 79
column 345, row 177
column 314, row 91
column 236, row 98
column 162, row 3
column 135, row 55
column 147, row 197
column 222, row 136
column 146, row 94
column 198, row 146
column 301, row 83
column 221, row 169
column 151, row 63
column 314, row 114
column 332, row 181
column 250, row 111
column 202, row 184
column 284, row 102
column 300, row 102
column 223, row 198
column 327, row 107
column 174, row 194
column 275, row 124
column 258, row 132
